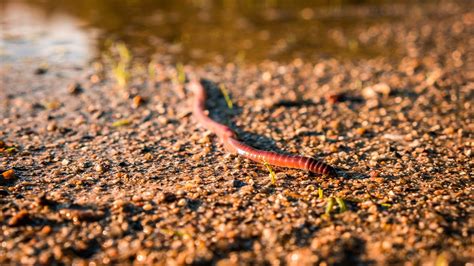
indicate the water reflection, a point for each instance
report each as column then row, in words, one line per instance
column 26, row 34
column 199, row 30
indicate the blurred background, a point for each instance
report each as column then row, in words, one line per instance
column 200, row 31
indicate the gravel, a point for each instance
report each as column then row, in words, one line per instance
column 95, row 172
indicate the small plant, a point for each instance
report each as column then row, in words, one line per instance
column 121, row 123
column 177, row 233
column 329, row 206
column 180, row 74
column 342, row 205
column 375, row 201
column 320, row 193
column 151, row 72
column 10, row 150
column 226, row 96
column 121, row 68
column 271, row 174
column 4, row 148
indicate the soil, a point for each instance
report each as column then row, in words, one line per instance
column 95, row 172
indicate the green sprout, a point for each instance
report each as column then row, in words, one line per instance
column 121, row 68
column 226, row 96
column 342, row 205
column 10, row 150
column 329, row 206
column 320, row 193
column 181, row 76
column 121, row 123
column 272, row 174
column 151, row 71
column 177, row 233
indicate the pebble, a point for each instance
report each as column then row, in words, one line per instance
column 75, row 88
column 137, row 101
column 166, row 197
column 99, row 168
column 9, row 175
column 52, row 126
column 41, row 71
column 22, row 217
column 182, row 202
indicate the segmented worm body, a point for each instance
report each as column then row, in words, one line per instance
column 232, row 145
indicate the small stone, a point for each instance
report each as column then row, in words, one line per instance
column 51, row 126
column 373, row 91
column 20, row 218
column 147, row 207
column 99, row 168
column 46, row 230
column 180, row 193
column 52, row 105
column 166, row 197
column 75, row 88
column 373, row 208
column 137, row 198
column 335, row 98
column 45, row 258
column 237, row 183
column 448, row 131
column 266, row 76
column 374, row 174
column 335, row 125
column 369, row 93
column 118, row 203
column 41, row 71
column 9, row 175
column 182, row 202
column 468, row 152
column 382, row 88
column 137, row 101
column 361, row 131
column 95, row 78
column 148, row 156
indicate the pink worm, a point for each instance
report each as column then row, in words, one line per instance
column 229, row 139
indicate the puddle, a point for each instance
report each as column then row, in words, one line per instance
column 194, row 31
column 28, row 34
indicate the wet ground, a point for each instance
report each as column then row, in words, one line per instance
column 103, row 161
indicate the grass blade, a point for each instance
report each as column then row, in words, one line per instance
column 320, row 193
column 329, row 206
column 342, row 205
column 181, row 76
column 272, row 174
column 121, row 123
column 226, row 96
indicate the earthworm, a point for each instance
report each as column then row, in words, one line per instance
column 232, row 145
